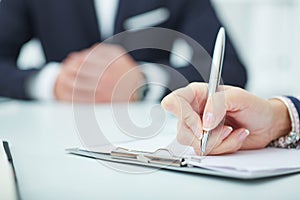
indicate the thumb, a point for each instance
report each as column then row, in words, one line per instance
column 214, row 111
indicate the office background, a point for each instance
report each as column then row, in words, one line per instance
column 266, row 34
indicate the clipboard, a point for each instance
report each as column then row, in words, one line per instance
column 159, row 158
column 164, row 159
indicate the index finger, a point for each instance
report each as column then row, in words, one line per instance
column 195, row 94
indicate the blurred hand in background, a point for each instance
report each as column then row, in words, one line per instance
column 102, row 73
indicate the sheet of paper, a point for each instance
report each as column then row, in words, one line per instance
column 268, row 159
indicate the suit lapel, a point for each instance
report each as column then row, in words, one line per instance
column 88, row 19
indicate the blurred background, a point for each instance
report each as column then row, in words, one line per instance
column 266, row 34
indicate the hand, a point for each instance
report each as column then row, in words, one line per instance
column 244, row 113
column 102, row 73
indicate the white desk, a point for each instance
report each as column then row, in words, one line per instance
column 39, row 134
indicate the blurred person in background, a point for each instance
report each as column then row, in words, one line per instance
column 69, row 30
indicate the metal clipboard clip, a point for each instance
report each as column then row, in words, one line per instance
column 161, row 156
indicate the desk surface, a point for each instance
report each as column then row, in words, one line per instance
column 39, row 133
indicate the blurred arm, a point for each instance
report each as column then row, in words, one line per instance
column 15, row 31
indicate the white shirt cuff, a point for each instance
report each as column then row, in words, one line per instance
column 40, row 86
column 156, row 78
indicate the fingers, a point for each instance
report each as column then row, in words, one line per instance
column 64, row 91
column 188, row 119
column 96, row 72
column 189, row 123
column 85, row 69
column 232, row 143
column 215, row 143
column 216, row 138
column 174, row 101
column 220, row 142
column 194, row 94
column 215, row 111
column 185, row 135
column 187, row 103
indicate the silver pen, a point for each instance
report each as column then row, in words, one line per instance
column 215, row 76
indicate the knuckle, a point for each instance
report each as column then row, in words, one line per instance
column 234, row 147
column 197, row 84
column 180, row 138
column 183, row 137
column 227, row 149
column 193, row 84
column 191, row 119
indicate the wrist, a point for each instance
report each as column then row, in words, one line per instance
column 281, row 119
column 292, row 139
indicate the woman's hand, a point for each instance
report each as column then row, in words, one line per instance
column 249, row 121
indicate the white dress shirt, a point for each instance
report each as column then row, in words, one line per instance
column 41, row 85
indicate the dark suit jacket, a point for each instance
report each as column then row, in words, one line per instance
column 65, row 26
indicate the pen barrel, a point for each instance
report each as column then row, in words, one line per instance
column 215, row 75
column 217, row 63
column 213, row 86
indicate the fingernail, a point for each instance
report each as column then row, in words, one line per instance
column 226, row 132
column 208, row 121
column 198, row 132
column 243, row 135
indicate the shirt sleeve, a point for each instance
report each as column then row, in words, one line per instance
column 293, row 105
column 156, row 79
column 40, row 86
